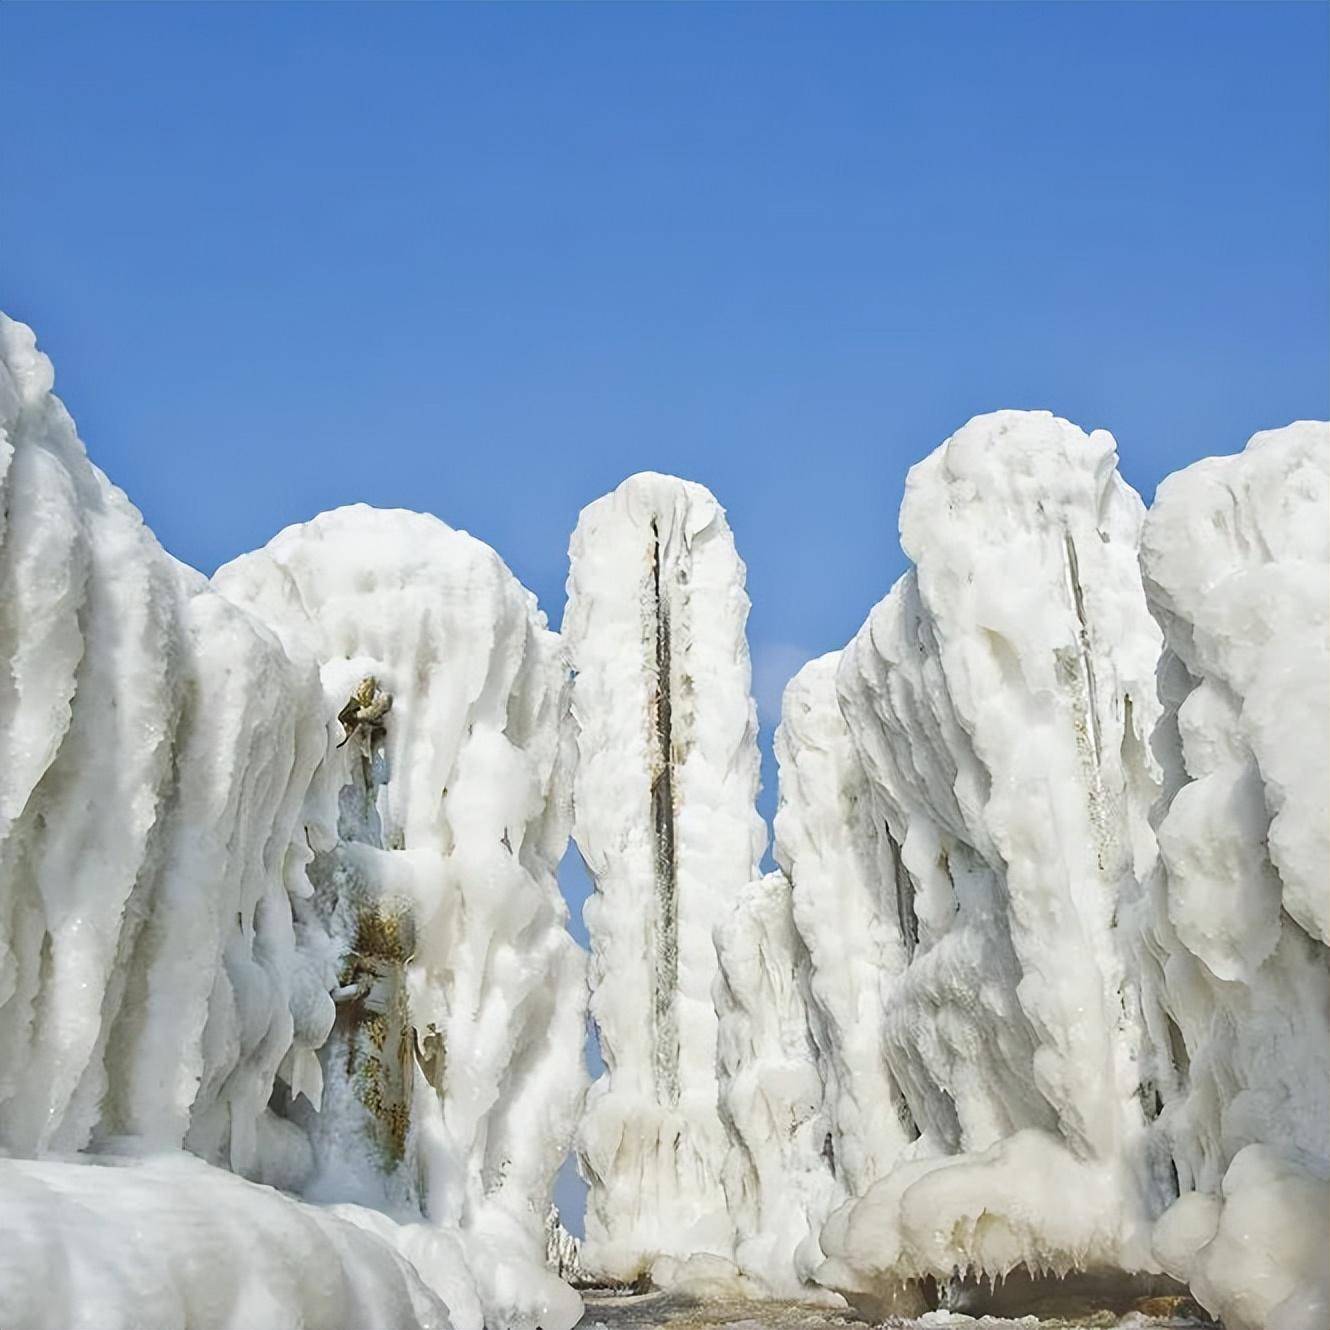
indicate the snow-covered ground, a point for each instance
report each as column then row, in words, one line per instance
column 291, row 1024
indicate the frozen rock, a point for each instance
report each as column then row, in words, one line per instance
column 666, row 781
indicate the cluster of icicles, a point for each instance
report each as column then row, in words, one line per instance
column 291, row 1025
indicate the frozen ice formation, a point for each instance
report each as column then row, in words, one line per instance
column 156, row 966
column 329, row 958
column 667, row 776
column 779, row 1183
column 1082, row 1023
column 457, row 1052
column 1001, row 700
column 1235, row 981
column 291, row 1026
column 832, row 844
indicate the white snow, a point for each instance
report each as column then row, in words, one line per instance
column 666, row 781
column 172, row 1244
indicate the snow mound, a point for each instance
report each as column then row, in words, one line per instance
column 173, row 1244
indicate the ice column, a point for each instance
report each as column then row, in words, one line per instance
column 163, row 975
column 1001, row 698
column 664, row 816
column 1235, row 553
column 458, row 1048
column 156, row 746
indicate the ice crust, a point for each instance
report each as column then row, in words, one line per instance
column 290, row 1023
column 666, row 782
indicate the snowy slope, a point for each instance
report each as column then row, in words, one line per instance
column 664, row 817
column 1235, row 553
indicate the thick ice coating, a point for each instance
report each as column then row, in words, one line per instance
column 833, row 846
column 291, row 1027
column 457, row 1050
column 156, row 962
column 329, row 957
column 779, row 1179
column 1001, row 699
column 664, row 817
column 1235, row 980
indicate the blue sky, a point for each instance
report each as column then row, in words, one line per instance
column 489, row 260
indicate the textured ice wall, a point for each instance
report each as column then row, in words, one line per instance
column 832, row 843
column 336, row 969
column 157, row 961
column 1001, row 698
column 1236, row 986
column 664, row 817
column 779, row 1181
column 458, row 1051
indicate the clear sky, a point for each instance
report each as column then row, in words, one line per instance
column 489, row 260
